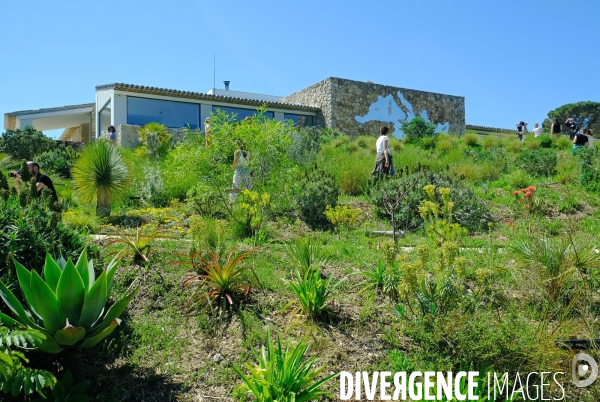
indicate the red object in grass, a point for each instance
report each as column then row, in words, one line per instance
column 516, row 192
column 528, row 194
column 531, row 188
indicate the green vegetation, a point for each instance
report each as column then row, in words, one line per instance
column 498, row 261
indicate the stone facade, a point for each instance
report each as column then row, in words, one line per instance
column 356, row 107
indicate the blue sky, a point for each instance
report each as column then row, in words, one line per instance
column 511, row 60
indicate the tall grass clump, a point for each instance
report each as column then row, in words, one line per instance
column 471, row 140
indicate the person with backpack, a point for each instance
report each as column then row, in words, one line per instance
column 555, row 128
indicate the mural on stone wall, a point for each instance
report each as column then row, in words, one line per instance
column 385, row 109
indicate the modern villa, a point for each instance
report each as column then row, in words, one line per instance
column 351, row 106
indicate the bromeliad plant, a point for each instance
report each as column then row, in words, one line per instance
column 282, row 374
column 68, row 306
column 219, row 283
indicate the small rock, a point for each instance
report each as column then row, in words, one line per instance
column 217, row 358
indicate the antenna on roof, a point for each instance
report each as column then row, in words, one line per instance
column 214, row 72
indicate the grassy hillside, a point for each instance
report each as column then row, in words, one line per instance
column 492, row 293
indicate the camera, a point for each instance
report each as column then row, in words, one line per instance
column 14, row 173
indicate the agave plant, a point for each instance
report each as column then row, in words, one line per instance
column 101, row 173
column 68, row 306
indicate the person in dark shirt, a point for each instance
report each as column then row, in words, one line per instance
column 570, row 123
column 41, row 180
column 580, row 140
column 520, row 130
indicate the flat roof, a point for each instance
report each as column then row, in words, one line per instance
column 51, row 109
column 202, row 96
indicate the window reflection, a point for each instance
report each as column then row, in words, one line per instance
column 300, row 120
column 142, row 111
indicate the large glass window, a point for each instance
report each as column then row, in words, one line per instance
column 105, row 117
column 240, row 114
column 172, row 114
column 300, row 120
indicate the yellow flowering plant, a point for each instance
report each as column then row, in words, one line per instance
column 342, row 217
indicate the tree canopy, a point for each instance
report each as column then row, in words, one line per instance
column 586, row 114
column 25, row 143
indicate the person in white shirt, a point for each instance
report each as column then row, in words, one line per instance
column 537, row 130
column 383, row 161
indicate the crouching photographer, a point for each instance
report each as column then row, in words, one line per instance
column 41, row 180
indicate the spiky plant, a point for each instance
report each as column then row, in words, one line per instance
column 100, row 172
column 284, row 374
column 219, row 283
column 306, row 254
column 138, row 241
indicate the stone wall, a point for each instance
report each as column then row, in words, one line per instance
column 356, row 107
column 317, row 95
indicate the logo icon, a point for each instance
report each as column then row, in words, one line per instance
column 581, row 365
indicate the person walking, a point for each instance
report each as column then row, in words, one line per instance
column 384, row 163
column 537, row 130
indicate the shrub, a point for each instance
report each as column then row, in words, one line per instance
column 25, row 143
column 428, row 143
column 156, row 138
column 313, row 193
column 518, row 179
column 306, row 143
column 538, row 162
column 444, row 143
column 471, row 140
column 59, row 161
column 342, row 217
column 29, row 231
column 490, row 141
column 546, row 141
column 416, row 129
column 469, row 211
column 138, row 242
column 563, row 142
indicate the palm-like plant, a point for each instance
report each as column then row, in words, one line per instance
column 68, row 306
column 219, row 283
column 282, row 374
column 138, row 242
column 100, row 172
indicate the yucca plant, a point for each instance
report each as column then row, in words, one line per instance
column 219, row 284
column 101, row 173
column 68, row 306
column 313, row 292
column 284, row 375
column 306, row 254
column 137, row 242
